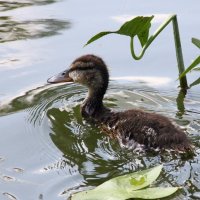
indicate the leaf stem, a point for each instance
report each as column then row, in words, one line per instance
column 179, row 55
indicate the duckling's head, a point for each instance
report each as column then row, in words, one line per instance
column 88, row 70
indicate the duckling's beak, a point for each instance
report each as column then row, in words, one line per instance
column 60, row 78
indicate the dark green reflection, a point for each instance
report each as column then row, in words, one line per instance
column 11, row 30
column 9, row 5
column 85, row 147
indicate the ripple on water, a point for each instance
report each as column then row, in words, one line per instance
column 74, row 154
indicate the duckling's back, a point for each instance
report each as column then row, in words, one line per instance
column 149, row 129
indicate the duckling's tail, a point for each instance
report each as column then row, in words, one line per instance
column 178, row 141
column 184, row 148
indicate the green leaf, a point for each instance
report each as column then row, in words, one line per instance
column 143, row 37
column 154, row 193
column 144, row 34
column 196, row 42
column 133, row 181
column 122, row 187
column 195, row 82
column 194, row 64
column 138, row 26
column 97, row 36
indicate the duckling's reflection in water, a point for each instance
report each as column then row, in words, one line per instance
column 95, row 158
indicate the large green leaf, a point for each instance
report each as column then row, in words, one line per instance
column 132, row 181
column 138, row 26
column 193, row 65
column 126, row 187
column 196, row 42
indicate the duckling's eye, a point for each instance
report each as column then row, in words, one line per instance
column 64, row 72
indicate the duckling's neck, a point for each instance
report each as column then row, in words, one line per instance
column 93, row 103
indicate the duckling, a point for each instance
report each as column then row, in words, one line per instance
column 150, row 130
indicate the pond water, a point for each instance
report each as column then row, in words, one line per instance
column 47, row 150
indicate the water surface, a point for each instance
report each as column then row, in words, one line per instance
column 47, row 150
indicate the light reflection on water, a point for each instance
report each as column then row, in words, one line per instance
column 67, row 154
column 12, row 30
column 9, row 5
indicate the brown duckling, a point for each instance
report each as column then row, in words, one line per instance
column 147, row 129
